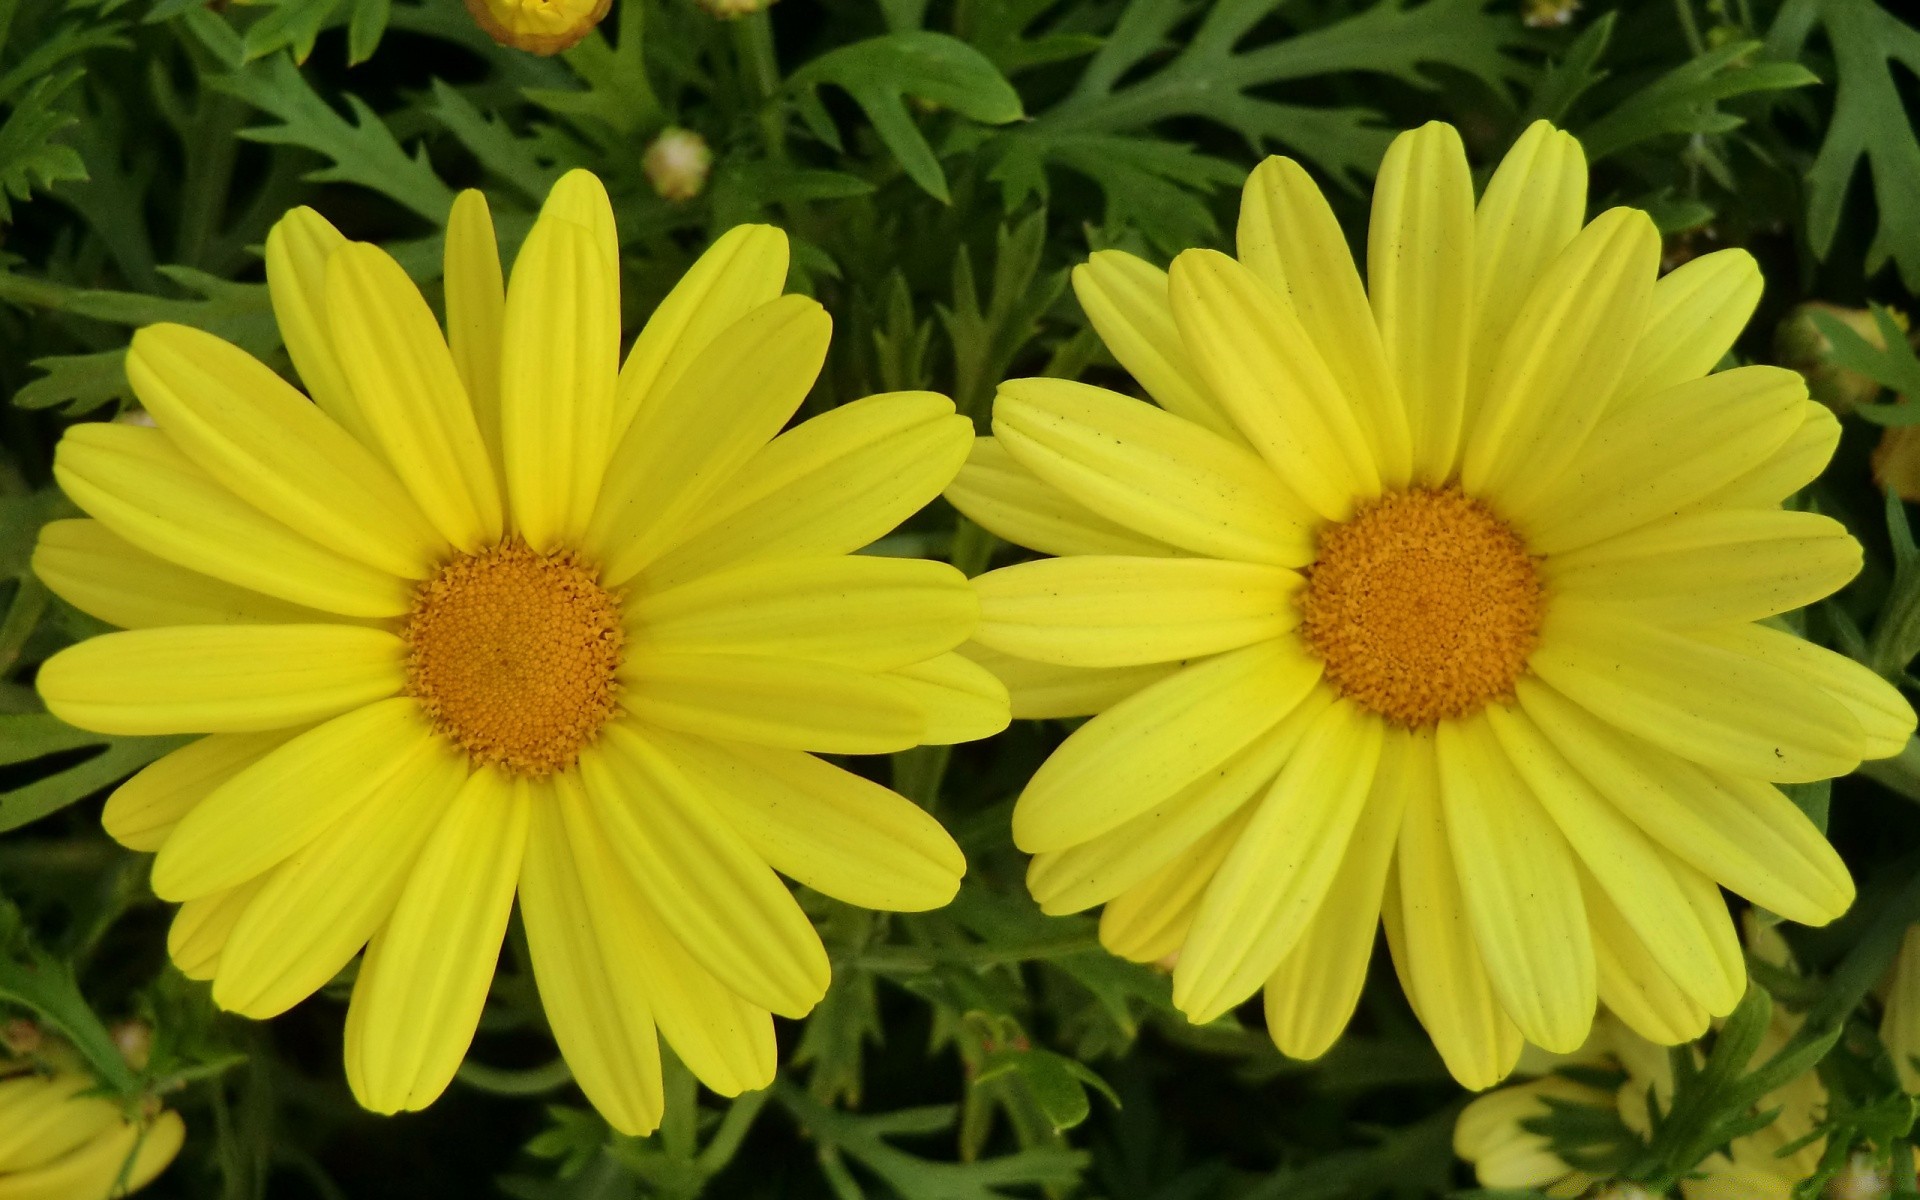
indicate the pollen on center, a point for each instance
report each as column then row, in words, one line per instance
column 514, row 654
column 1424, row 605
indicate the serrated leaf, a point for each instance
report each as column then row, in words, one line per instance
column 31, row 158
column 1686, row 99
column 290, row 25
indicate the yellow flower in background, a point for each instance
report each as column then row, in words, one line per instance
column 59, row 1143
column 538, row 26
column 496, row 614
column 1436, row 599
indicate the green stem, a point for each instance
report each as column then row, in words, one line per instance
column 1900, row 773
column 1689, row 26
column 760, row 67
column 502, row 1081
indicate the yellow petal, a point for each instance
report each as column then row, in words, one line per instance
column 245, row 427
column 997, row 492
column 1311, row 995
column 1634, row 986
column 1489, row 1133
column 200, row 928
column 1793, row 465
column 219, row 678
column 960, row 700
column 714, row 894
column 1698, row 310
column 1289, row 237
column 1704, row 701
column 1654, row 458
column 411, row 394
column 1744, row 834
column 830, row 485
column 1150, row 920
column 105, row 576
column 557, row 371
column 1713, row 566
column 1125, row 299
column 1041, row 690
column 577, row 907
column 143, row 811
column 476, row 297
column 1151, row 471
column 1535, row 203
column 688, row 443
column 1100, row 611
column 146, row 491
column 781, row 702
column 742, row 271
column 298, row 247
column 1420, row 255
column 1277, row 875
column 42, row 1119
column 1261, row 362
column 319, row 907
column 425, row 976
column 272, row 808
column 1563, row 358
column 1883, row 713
column 829, row 829
column 726, row 1041
column 1158, row 740
column 1674, row 915
column 125, row 1153
column 1433, row 945
column 867, row 612
column 1100, row 868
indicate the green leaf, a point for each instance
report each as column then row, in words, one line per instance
column 1572, row 76
column 31, row 159
column 1058, row 1084
column 287, row 25
column 1870, row 124
column 986, row 337
column 618, row 95
column 879, row 73
column 48, row 988
column 504, row 154
column 118, row 758
column 1686, row 99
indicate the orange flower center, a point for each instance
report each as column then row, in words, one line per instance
column 514, row 656
column 1424, row 605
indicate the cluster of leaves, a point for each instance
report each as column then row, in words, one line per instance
column 940, row 168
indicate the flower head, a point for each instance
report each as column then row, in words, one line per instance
column 494, row 616
column 538, row 26
column 59, row 1141
column 1434, row 599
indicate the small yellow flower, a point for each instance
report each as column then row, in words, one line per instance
column 57, row 1143
column 538, row 26
column 1435, row 600
column 677, row 164
column 498, row 615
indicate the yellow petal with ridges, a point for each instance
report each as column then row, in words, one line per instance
column 577, row 907
column 476, row 296
column 1150, row 920
column 1698, row 309
column 411, row 394
column 1535, row 203
column 1126, row 301
column 783, row 702
column 1794, row 464
column 321, row 905
column 823, row 827
column 105, row 576
column 867, row 612
column 1885, row 717
column 1420, row 255
column 830, row 485
column 579, row 196
column 1109, row 611
column 743, row 270
column 960, row 700
column 1311, row 995
column 143, row 811
column 1744, row 834
column 143, row 489
column 298, row 247
column 726, row 1041
column 272, row 808
column 1562, row 359
column 713, row 893
column 1704, row 701
column 689, row 442
column 1504, row 1154
column 1712, row 566
column 126, row 1155
column 557, row 374
column 1267, row 372
column 42, row 1119
column 200, row 927
column 1274, row 880
column 219, row 678
column 244, row 426
column 1151, row 471
column 1633, row 985
column 1289, row 237
column 1158, row 740
column 1039, row 691
column 996, row 491
column 426, row 973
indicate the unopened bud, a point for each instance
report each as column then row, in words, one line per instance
column 677, row 164
column 135, row 1042
column 1860, row 1179
column 1548, row 14
column 538, row 26
column 20, row 1036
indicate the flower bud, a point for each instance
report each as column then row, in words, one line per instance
column 134, row 1039
column 1548, row 14
column 677, row 164
column 538, row 26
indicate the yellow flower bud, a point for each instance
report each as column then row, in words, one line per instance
column 677, row 164
column 538, row 26
column 1548, row 14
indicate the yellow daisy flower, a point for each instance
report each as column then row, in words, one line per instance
column 496, row 614
column 1436, row 599
column 59, row 1143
